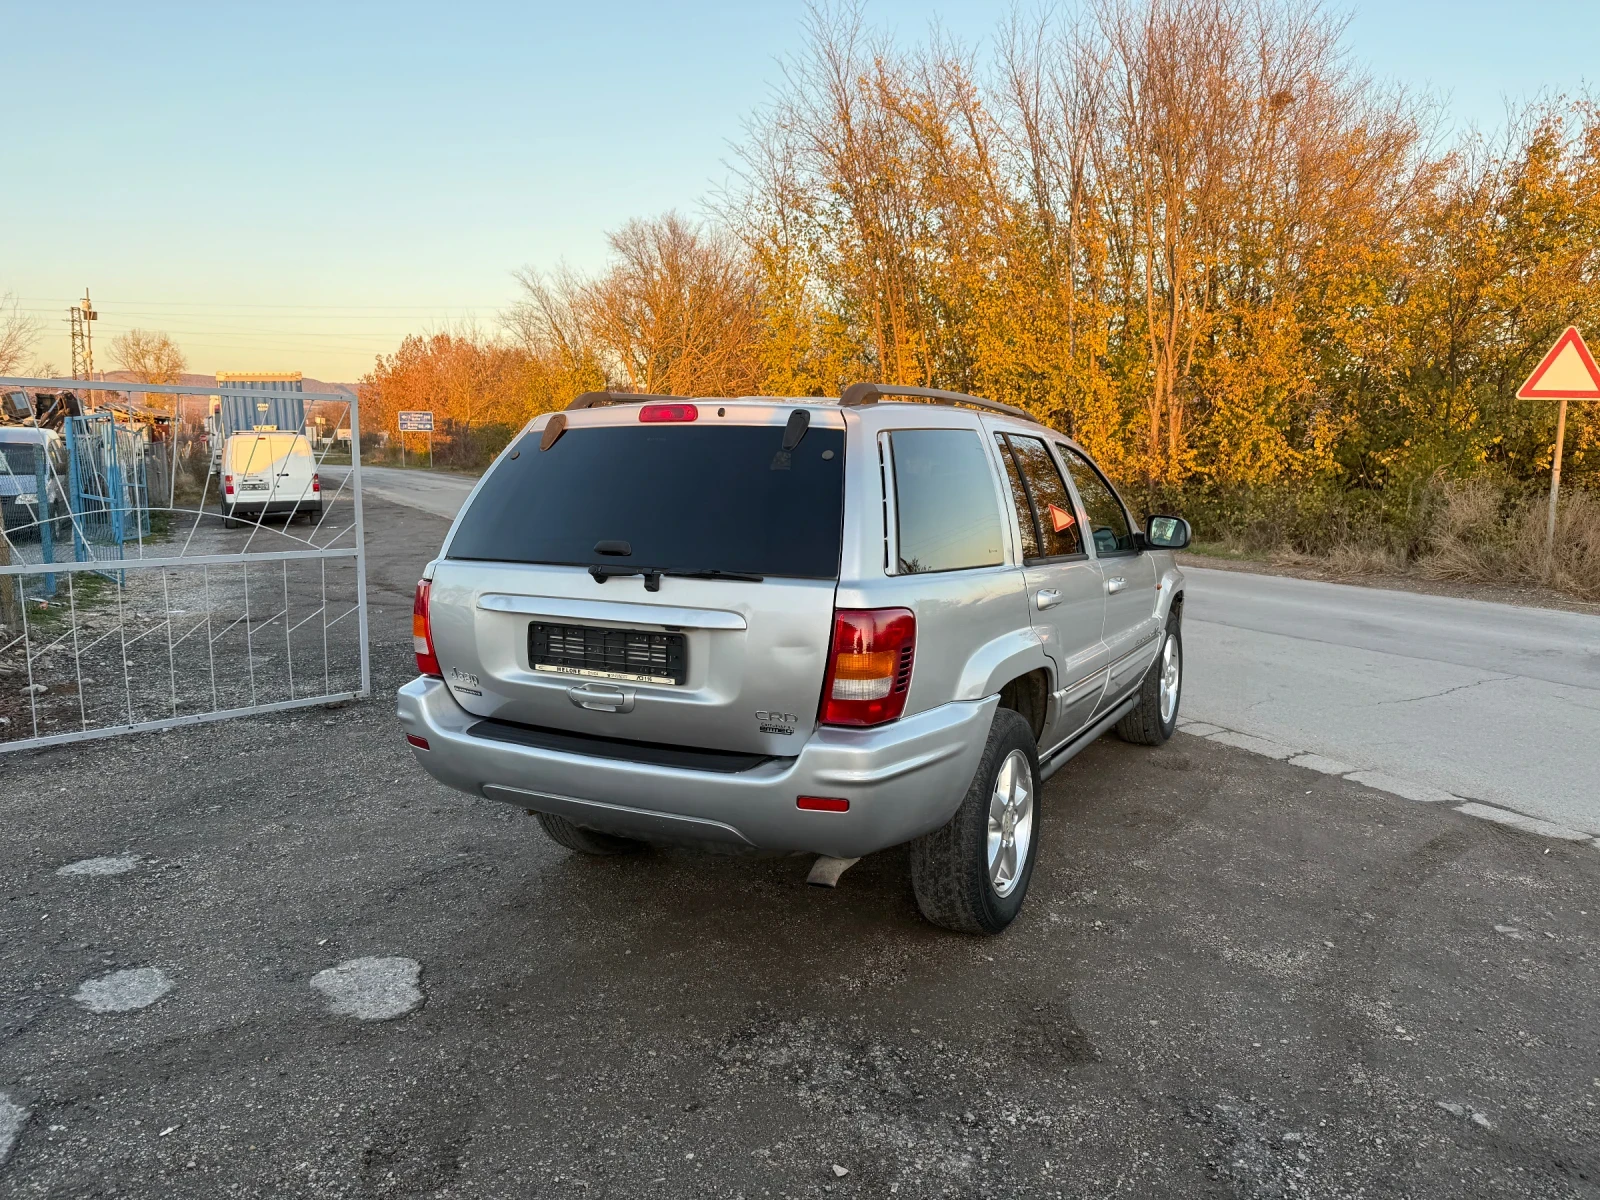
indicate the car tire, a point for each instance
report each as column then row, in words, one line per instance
column 1155, row 717
column 972, row 873
column 585, row 841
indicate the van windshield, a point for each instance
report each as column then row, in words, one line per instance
column 19, row 458
column 683, row 497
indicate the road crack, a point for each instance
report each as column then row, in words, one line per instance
column 1460, row 687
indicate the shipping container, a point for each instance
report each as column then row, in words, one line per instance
column 265, row 410
column 274, row 402
column 269, row 401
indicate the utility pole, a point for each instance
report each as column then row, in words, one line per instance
column 79, row 316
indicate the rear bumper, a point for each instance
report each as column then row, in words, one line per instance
column 273, row 508
column 901, row 780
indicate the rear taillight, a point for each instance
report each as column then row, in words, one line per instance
column 869, row 666
column 227, row 484
column 316, row 484
column 669, row 412
column 422, row 633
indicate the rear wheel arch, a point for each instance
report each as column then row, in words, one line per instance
column 1029, row 696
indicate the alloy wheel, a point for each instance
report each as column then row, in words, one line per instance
column 1010, row 822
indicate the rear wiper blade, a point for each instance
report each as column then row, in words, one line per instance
column 737, row 576
column 652, row 575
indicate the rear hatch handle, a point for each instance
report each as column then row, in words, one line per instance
column 600, row 697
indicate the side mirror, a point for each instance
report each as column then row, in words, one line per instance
column 1167, row 533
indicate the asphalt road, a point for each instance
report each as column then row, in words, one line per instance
column 1488, row 702
column 1234, row 977
column 437, row 492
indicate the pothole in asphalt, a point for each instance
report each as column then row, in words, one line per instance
column 124, row 991
column 371, row 989
column 114, row 864
column 12, row 1118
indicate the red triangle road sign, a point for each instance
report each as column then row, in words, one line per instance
column 1568, row 372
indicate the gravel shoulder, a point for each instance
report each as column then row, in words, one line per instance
column 1234, row 977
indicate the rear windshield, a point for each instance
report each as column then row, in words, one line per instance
column 257, row 452
column 684, row 497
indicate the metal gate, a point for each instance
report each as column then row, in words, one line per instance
column 106, row 470
column 156, row 611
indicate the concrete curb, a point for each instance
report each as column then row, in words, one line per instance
column 1421, row 793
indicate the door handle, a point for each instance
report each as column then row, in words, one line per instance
column 1047, row 598
column 1115, row 584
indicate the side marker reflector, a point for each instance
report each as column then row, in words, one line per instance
column 419, row 742
column 823, row 804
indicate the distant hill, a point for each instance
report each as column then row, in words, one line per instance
column 189, row 378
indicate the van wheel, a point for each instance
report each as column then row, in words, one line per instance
column 584, row 841
column 1152, row 721
column 971, row 874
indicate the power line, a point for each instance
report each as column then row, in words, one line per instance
column 277, row 333
column 206, row 304
column 285, row 316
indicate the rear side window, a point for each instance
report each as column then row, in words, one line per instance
column 1045, row 511
column 685, row 497
column 946, row 512
column 1108, row 520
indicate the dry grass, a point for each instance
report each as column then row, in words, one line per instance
column 1472, row 531
column 1481, row 536
column 1347, row 560
column 1350, row 559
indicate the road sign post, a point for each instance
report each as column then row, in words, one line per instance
column 1555, row 477
column 1567, row 372
column 415, row 421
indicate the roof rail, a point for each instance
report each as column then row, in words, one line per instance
column 858, row 394
column 596, row 399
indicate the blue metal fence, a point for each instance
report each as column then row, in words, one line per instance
column 110, row 495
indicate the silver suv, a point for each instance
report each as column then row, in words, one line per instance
column 795, row 626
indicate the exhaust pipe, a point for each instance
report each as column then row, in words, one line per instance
column 825, row 871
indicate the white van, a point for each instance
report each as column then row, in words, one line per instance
column 269, row 473
column 23, row 451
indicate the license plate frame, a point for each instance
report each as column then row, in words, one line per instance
column 659, row 657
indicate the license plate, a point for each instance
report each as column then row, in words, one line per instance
column 629, row 655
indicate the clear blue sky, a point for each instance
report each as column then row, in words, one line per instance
column 295, row 186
